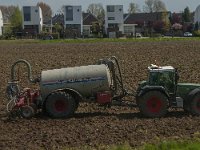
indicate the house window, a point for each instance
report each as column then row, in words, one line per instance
column 110, row 8
column 69, row 13
column 27, row 13
column 113, row 25
column 36, row 10
column 111, row 18
column 73, row 26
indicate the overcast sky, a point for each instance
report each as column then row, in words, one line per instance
column 172, row 5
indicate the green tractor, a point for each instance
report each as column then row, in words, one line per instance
column 161, row 91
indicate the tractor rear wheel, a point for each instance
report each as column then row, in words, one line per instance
column 153, row 104
column 195, row 105
column 60, row 104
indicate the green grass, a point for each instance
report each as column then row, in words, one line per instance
column 162, row 145
column 173, row 145
column 97, row 40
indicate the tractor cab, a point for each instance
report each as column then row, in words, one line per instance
column 165, row 76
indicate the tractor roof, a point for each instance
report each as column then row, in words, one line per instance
column 160, row 68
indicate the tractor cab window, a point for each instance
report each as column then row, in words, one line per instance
column 164, row 78
column 153, row 78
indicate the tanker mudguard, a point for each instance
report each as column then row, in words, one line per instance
column 68, row 90
column 147, row 88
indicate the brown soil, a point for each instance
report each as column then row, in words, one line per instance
column 93, row 125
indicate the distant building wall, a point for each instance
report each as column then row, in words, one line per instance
column 73, row 17
column 197, row 15
column 32, row 18
column 114, row 17
column 1, row 22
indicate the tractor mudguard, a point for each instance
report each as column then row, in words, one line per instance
column 191, row 95
column 147, row 88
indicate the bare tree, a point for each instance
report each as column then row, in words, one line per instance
column 159, row 6
column 97, row 10
column 7, row 12
column 148, row 7
column 46, row 11
column 133, row 8
column 154, row 6
column 61, row 10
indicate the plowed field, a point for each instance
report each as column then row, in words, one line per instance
column 93, row 125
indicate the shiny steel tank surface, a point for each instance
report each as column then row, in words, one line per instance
column 87, row 80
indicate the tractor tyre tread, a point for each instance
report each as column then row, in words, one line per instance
column 193, row 105
column 66, row 98
column 144, row 108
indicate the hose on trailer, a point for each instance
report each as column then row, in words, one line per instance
column 118, row 77
column 30, row 78
column 13, row 89
column 118, row 86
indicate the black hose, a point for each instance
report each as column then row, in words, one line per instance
column 30, row 78
column 118, row 79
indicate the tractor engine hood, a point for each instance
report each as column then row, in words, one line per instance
column 188, row 85
column 183, row 89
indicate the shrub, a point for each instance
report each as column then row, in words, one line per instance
column 42, row 35
column 196, row 33
column 156, row 35
column 55, row 35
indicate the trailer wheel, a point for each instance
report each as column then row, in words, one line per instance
column 195, row 105
column 27, row 112
column 60, row 104
column 153, row 104
column 34, row 106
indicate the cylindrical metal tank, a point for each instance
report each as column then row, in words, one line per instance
column 87, row 80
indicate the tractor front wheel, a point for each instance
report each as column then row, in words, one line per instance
column 195, row 105
column 60, row 104
column 153, row 104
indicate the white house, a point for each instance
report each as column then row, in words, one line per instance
column 73, row 18
column 197, row 15
column 32, row 19
column 114, row 18
column 1, row 22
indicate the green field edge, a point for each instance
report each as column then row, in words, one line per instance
column 168, row 144
column 98, row 40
